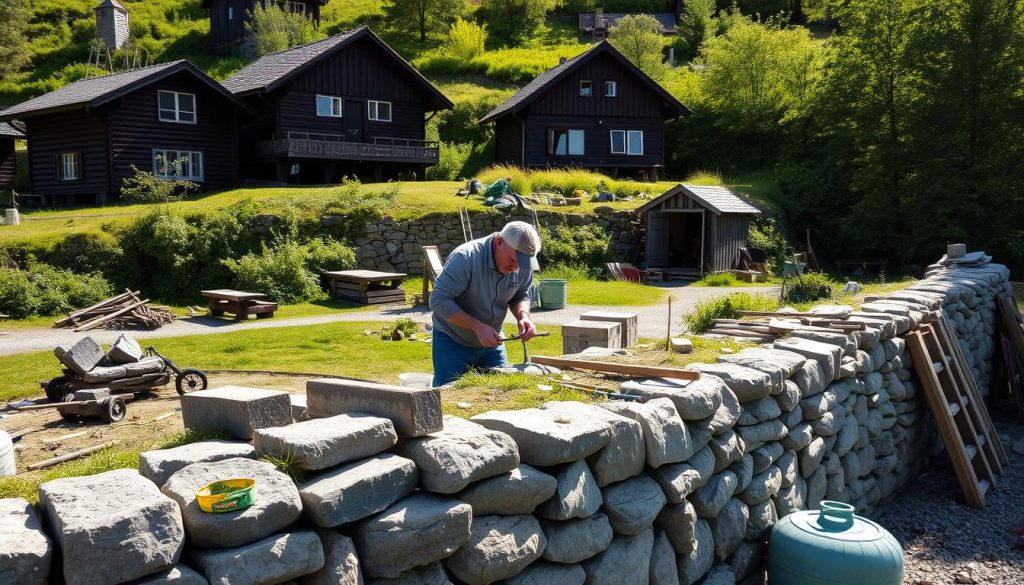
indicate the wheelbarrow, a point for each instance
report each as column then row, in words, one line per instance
column 94, row 402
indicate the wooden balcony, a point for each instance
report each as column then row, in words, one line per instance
column 333, row 146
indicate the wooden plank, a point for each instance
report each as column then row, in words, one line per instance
column 638, row 371
column 784, row 315
column 72, row 455
column 73, row 315
column 101, row 320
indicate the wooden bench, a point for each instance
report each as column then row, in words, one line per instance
column 239, row 303
column 367, row 287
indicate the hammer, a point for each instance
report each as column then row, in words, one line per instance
column 526, row 355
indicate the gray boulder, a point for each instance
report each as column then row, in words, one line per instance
column 744, row 470
column 623, row 456
column 761, row 517
column 728, row 528
column 815, row 406
column 25, row 550
column 322, row 443
column 123, row 530
column 576, row 494
column 161, row 464
column 679, row 521
column 499, row 547
column 826, row 355
column 787, row 464
column 572, row 541
column 709, row 500
column 666, row 438
column 664, row 570
column 176, row 575
column 727, row 414
column 757, row 411
column 547, row 438
column 763, row 486
column 519, row 491
column 679, row 480
column 274, row 559
column 463, row 452
column 694, row 399
column 810, row 457
column 277, row 506
column 720, row 575
column 341, row 564
column 810, row 378
column 770, row 430
column 626, row 560
column 747, row 383
column 546, row 573
column 798, row 437
column 748, row 559
column 696, row 563
column 766, row 454
column 633, row 504
column 791, row 499
column 430, row 574
column 125, row 350
column 356, row 490
column 758, row 357
column 789, row 397
column 726, row 448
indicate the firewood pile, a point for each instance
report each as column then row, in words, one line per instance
column 123, row 311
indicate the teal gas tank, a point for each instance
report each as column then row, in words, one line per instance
column 832, row 546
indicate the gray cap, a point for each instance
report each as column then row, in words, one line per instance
column 521, row 236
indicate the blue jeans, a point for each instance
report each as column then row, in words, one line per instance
column 452, row 359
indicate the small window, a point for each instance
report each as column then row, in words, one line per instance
column 328, row 106
column 177, row 107
column 610, row 88
column 379, row 111
column 618, row 142
column 565, row 142
column 629, row 142
column 178, row 164
column 231, row 12
column 70, row 168
column 586, row 88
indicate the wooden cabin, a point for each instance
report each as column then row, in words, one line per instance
column 595, row 26
column 228, row 18
column 346, row 105
column 8, row 160
column 692, row 230
column 84, row 138
column 596, row 111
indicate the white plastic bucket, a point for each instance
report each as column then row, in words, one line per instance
column 415, row 380
column 6, row 454
column 11, row 217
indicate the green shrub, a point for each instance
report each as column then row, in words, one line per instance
column 514, row 20
column 810, row 286
column 719, row 279
column 466, row 39
column 59, row 291
column 145, row 187
column 17, row 294
column 324, row 255
column 279, row 273
column 586, row 247
column 276, row 29
column 765, row 235
column 702, row 318
column 451, row 160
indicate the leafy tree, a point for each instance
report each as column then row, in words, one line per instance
column 466, row 39
column 275, row 29
column 638, row 38
column 14, row 53
column 424, row 15
column 696, row 25
column 514, row 20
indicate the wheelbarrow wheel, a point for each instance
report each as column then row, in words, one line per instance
column 115, row 411
column 64, row 414
column 190, row 380
column 57, row 389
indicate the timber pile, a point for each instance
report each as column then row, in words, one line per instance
column 123, row 311
column 766, row 326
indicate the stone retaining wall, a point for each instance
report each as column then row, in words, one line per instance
column 391, row 245
column 683, row 488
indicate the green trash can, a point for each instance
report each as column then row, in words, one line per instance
column 552, row 293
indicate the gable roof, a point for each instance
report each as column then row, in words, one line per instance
column 546, row 80
column 271, row 71
column 716, row 198
column 9, row 131
column 96, row 91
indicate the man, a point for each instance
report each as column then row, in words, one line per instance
column 482, row 280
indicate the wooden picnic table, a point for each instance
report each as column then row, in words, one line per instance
column 367, row 287
column 239, row 303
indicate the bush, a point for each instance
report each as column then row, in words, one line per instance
column 810, row 286
column 323, row 255
column 514, row 20
column 719, row 279
column 276, row 29
column 145, row 187
column 466, row 39
column 59, row 291
column 17, row 295
column 280, row 273
column 765, row 235
column 702, row 318
column 586, row 247
column 450, row 162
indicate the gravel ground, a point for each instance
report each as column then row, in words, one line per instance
column 946, row 542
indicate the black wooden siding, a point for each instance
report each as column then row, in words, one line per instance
column 225, row 32
column 728, row 233
column 634, row 99
column 76, row 131
column 508, row 139
column 596, row 141
column 723, row 235
column 7, row 162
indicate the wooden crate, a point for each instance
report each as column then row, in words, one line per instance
column 580, row 335
column 626, row 321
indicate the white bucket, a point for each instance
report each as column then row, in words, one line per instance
column 12, row 217
column 415, row 380
column 6, row 455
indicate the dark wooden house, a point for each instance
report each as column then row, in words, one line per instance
column 170, row 119
column 596, row 110
column 695, row 229
column 228, row 18
column 8, row 161
column 345, row 105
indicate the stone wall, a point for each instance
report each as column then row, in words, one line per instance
column 391, row 245
column 681, row 489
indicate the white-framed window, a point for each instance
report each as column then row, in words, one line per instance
column 629, row 142
column 178, row 164
column 177, row 107
column 610, row 89
column 565, row 142
column 586, row 88
column 70, row 166
column 231, row 12
column 378, row 111
column 328, row 106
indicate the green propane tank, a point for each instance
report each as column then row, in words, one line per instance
column 832, row 546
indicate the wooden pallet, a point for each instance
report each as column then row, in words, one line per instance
column 959, row 412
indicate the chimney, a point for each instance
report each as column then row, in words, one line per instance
column 112, row 24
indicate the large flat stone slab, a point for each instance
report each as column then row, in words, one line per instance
column 666, row 437
column 633, row 504
column 159, row 465
column 694, row 399
column 546, row 438
column 746, row 383
column 25, row 550
column 827, row 355
column 499, row 547
column 322, row 443
column 236, row 410
column 573, row 541
column 357, row 489
column 623, row 456
column 341, row 563
column 577, row 494
column 413, row 411
column 519, row 491
column 461, row 453
column 417, row 530
column 274, row 559
column 276, row 507
column 117, row 524
column 176, row 575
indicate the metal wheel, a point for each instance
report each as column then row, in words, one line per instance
column 190, row 380
column 115, row 411
column 58, row 388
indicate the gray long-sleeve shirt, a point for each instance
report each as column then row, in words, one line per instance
column 470, row 282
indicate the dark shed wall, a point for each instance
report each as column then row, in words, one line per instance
column 508, row 140
column 728, row 233
column 7, row 162
column 76, row 131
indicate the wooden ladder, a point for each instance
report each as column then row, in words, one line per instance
column 959, row 411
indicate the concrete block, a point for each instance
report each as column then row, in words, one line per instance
column 322, row 443
column 414, row 411
column 547, row 438
column 627, row 324
column 159, row 465
column 236, row 410
column 274, row 559
column 461, row 453
column 357, row 490
column 25, row 550
column 682, row 345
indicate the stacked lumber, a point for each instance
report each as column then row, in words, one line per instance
column 123, row 311
column 767, row 326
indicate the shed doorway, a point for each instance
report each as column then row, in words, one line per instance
column 685, row 240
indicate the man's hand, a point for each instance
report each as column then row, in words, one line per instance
column 486, row 336
column 526, row 328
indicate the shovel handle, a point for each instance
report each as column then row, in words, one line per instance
column 518, row 337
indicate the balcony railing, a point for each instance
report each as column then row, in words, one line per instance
column 334, row 146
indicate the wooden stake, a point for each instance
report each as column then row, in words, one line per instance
column 72, row 455
column 668, row 333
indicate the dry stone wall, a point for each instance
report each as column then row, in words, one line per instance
column 682, row 488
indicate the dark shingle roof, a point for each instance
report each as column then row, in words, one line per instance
column 543, row 81
column 115, row 3
column 667, row 20
column 716, row 198
column 9, row 131
column 97, row 91
column 270, row 71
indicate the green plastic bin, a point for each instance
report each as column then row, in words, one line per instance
column 553, row 293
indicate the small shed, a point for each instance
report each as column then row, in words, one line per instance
column 8, row 165
column 695, row 229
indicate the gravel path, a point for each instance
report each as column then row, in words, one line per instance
column 651, row 321
column 946, row 542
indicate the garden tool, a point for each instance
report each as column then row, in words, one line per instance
column 526, row 367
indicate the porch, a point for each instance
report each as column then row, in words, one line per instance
column 335, row 147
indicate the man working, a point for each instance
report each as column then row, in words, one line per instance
column 481, row 280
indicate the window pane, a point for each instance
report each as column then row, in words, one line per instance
column 166, row 100
column 560, row 142
column 636, row 142
column 384, row 110
column 609, row 88
column 618, row 142
column 586, row 88
column 323, row 105
column 576, row 142
column 186, row 102
column 336, row 106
